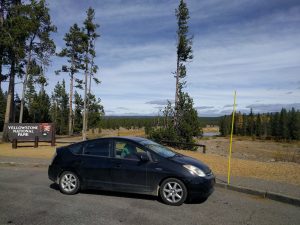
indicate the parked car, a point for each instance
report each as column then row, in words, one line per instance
column 131, row 164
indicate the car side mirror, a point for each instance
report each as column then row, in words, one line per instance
column 143, row 157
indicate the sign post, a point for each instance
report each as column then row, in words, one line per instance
column 231, row 134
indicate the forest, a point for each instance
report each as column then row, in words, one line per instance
column 283, row 125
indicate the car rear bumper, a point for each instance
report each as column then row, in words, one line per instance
column 53, row 172
column 200, row 187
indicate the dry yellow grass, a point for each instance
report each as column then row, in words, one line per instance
column 123, row 132
column 27, row 151
column 211, row 129
column 275, row 171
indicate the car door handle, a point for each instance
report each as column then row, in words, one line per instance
column 158, row 168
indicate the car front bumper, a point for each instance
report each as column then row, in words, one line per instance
column 200, row 187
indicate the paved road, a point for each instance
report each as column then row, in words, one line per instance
column 28, row 197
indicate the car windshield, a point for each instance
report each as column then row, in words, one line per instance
column 159, row 149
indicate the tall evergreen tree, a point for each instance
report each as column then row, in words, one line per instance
column 283, row 124
column 90, row 28
column 294, row 124
column 74, row 52
column 2, row 108
column 78, row 112
column 251, row 123
column 95, row 111
column 39, row 46
column 188, row 122
column 184, row 50
column 276, row 125
column 14, row 32
column 60, row 108
column 259, row 126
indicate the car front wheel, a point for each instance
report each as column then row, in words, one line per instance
column 69, row 183
column 173, row 192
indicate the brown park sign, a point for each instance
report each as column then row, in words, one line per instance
column 30, row 131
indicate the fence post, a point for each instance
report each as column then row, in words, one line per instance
column 36, row 141
column 53, row 135
column 204, row 149
column 14, row 143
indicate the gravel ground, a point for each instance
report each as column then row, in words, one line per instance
column 28, row 197
column 255, row 183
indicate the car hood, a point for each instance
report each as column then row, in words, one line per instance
column 186, row 160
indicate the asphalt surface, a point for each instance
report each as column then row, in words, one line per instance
column 28, row 197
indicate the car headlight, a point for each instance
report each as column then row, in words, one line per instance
column 194, row 170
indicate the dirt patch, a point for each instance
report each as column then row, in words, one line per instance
column 257, row 150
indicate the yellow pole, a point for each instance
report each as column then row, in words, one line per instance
column 230, row 147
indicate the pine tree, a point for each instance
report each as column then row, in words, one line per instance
column 258, row 126
column 184, row 50
column 74, row 52
column 294, row 124
column 13, row 34
column 39, row 46
column 251, row 124
column 89, row 53
column 60, row 108
column 78, row 112
column 276, row 125
column 188, row 122
column 244, row 125
column 40, row 107
column 95, row 111
column 30, row 95
column 283, row 125
column 2, row 108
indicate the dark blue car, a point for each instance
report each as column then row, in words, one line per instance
column 131, row 164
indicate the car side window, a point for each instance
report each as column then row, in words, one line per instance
column 98, row 148
column 126, row 150
column 76, row 148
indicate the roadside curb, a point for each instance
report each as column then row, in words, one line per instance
column 263, row 194
column 23, row 164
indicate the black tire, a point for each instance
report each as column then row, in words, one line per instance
column 69, row 183
column 173, row 192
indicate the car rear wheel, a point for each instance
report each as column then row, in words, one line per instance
column 173, row 192
column 69, row 183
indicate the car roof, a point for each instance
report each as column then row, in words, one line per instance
column 130, row 138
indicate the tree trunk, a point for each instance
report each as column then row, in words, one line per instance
column 84, row 124
column 9, row 103
column 176, row 91
column 71, row 105
column 24, row 89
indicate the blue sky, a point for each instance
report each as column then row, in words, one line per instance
column 251, row 46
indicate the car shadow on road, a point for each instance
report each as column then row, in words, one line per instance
column 113, row 193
